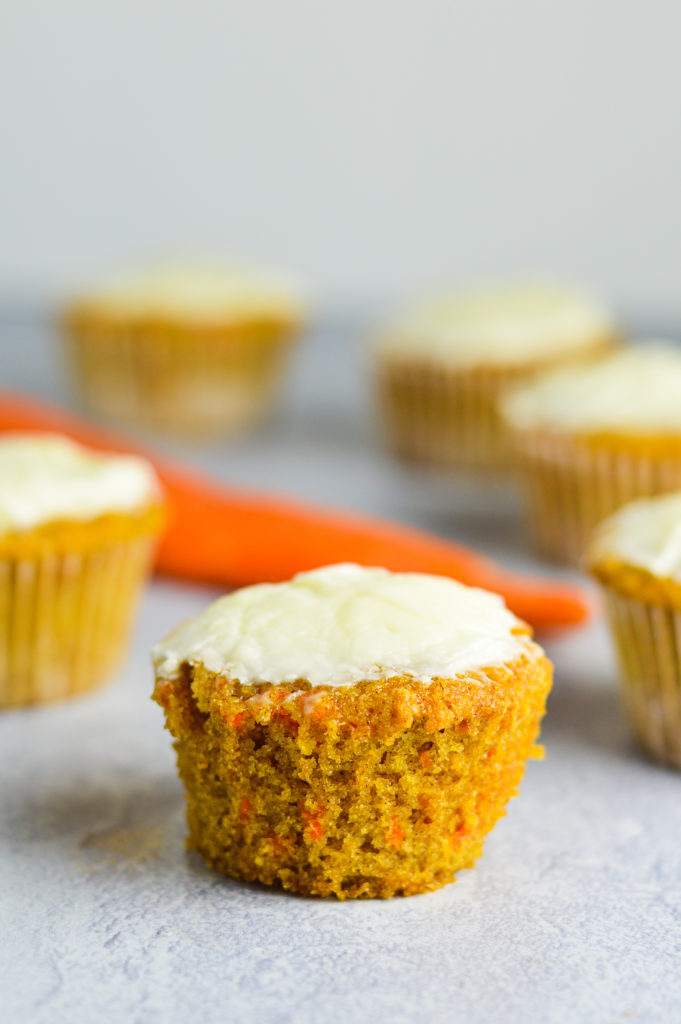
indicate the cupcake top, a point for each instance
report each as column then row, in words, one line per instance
column 646, row 534
column 500, row 326
column 46, row 478
column 341, row 624
column 196, row 292
column 636, row 390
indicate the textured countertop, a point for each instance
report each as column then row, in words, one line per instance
column 572, row 914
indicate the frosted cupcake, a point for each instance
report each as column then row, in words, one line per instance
column 77, row 531
column 636, row 556
column 590, row 439
column 196, row 351
column 353, row 732
column 441, row 370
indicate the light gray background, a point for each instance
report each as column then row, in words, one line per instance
column 379, row 147
column 572, row 914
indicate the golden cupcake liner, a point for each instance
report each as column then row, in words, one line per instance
column 446, row 417
column 190, row 384
column 648, row 644
column 572, row 486
column 65, row 619
column 450, row 416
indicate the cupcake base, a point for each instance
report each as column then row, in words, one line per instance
column 193, row 384
column 445, row 417
column 65, row 618
column 648, row 645
column 374, row 790
column 572, row 485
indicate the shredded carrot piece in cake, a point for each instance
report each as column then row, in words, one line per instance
column 395, row 834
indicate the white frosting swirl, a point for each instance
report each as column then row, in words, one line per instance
column 197, row 292
column 645, row 533
column 637, row 390
column 503, row 326
column 342, row 624
column 47, row 477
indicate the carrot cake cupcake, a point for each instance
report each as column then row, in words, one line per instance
column 353, row 732
column 636, row 557
column 441, row 370
column 591, row 438
column 196, row 350
column 76, row 536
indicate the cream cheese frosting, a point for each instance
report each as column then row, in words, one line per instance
column 503, row 325
column 636, row 390
column 47, row 477
column 203, row 292
column 646, row 533
column 341, row 624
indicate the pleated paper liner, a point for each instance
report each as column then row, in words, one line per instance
column 571, row 486
column 65, row 619
column 449, row 416
column 205, row 383
column 647, row 640
column 445, row 417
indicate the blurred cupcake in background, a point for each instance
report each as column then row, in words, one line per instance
column 636, row 556
column 593, row 437
column 195, row 351
column 77, row 533
column 442, row 368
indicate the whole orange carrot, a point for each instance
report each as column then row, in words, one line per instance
column 219, row 535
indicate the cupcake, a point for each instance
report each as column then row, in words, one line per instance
column 636, row 557
column 353, row 732
column 441, row 370
column 77, row 531
column 592, row 438
column 195, row 351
